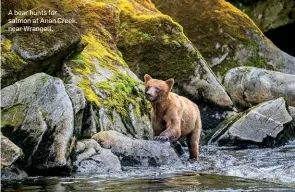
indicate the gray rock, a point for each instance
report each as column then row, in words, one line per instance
column 9, row 152
column 249, row 86
column 204, row 84
column 91, row 158
column 77, row 97
column 136, row 152
column 38, row 116
column 268, row 124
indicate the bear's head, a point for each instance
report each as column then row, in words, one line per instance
column 157, row 90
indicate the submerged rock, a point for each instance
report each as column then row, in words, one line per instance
column 225, row 36
column 37, row 115
column 268, row 124
column 136, row 152
column 249, row 86
column 91, row 158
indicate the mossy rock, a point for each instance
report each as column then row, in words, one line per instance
column 25, row 53
column 37, row 115
column 153, row 43
column 225, row 36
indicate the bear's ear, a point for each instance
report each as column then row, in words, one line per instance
column 147, row 77
column 170, row 83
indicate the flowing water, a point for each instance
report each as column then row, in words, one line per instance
column 219, row 169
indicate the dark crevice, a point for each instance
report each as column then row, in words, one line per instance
column 284, row 38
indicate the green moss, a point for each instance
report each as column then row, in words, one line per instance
column 13, row 116
column 120, row 94
column 44, row 114
column 85, row 85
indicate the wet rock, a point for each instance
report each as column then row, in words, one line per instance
column 136, row 152
column 226, row 37
column 11, row 173
column 91, row 158
column 249, row 86
column 25, row 53
column 268, row 124
column 37, row 115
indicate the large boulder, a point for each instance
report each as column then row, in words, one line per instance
column 225, row 36
column 153, row 43
column 268, row 124
column 25, row 53
column 249, row 86
column 136, row 152
column 37, row 115
column 91, row 158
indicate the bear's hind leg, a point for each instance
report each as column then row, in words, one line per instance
column 193, row 140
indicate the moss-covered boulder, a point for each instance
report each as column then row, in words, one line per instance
column 266, row 125
column 153, row 43
column 249, row 86
column 115, row 96
column 37, row 115
column 268, row 14
column 225, row 36
column 27, row 52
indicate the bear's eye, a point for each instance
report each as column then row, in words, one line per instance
column 157, row 89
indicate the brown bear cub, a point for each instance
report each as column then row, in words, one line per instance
column 173, row 116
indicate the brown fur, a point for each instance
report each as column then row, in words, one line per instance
column 173, row 116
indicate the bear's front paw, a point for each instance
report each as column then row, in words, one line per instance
column 161, row 138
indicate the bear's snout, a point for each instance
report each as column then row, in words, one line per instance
column 150, row 94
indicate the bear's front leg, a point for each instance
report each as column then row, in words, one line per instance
column 172, row 132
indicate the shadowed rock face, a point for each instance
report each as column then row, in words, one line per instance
column 268, row 124
column 249, row 86
column 135, row 152
column 38, row 117
column 225, row 36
